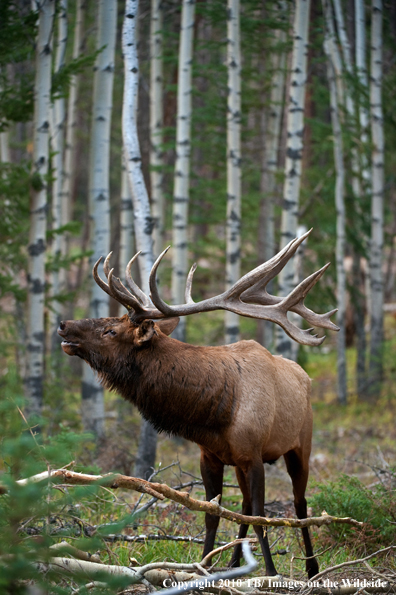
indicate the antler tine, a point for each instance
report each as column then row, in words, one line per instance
column 115, row 288
column 187, row 295
column 118, row 291
column 137, row 292
column 257, row 294
column 100, row 281
column 106, row 264
column 294, row 301
column 122, row 295
column 274, row 313
column 261, row 275
column 265, row 307
column 154, row 293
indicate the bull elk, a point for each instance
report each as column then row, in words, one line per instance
column 240, row 404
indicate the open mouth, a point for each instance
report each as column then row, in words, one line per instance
column 69, row 347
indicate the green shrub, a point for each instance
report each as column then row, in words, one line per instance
column 349, row 497
column 36, row 515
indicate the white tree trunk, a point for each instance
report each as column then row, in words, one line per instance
column 71, row 127
column 233, row 223
column 141, row 205
column 271, row 128
column 360, row 41
column 143, row 220
column 336, row 100
column 182, row 165
column 127, row 234
column 38, row 211
column 377, row 200
column 342, row 34
column 358, row 174
column 4, row 147
column 92, row 392
column 294, row 150
column 272, row 138
column 361, row 68
column 156, row 124
column 127, row 230
column 58, row 115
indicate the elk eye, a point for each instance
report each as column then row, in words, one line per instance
column 110, row 332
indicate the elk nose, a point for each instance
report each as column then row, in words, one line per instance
column 62, row 327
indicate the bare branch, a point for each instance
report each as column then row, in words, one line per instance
column 90, row 570
column 66, row 548
column 205, row 561
column 231, row 574
column 161, row 491
column 353, row 562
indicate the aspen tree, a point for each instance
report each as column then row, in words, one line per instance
column 58, row 116
column 355, row 114
column 271, row 128
column 182, row 165
column 377, row 200
column 336, row 100
column 145, row 458
column 233, row 223
column 361, row 68
column 92, row 392
column 126, row 223
column 4, row 147
column 71, row 125
column 38, row 210
column 294, row 150
column 156, row 123
column 127, row 232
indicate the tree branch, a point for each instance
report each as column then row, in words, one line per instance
column 161, row 491
column 352, row 562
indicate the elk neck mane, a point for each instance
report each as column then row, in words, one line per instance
column 182, row 389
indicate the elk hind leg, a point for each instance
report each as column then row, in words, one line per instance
column 298, row 469
column 246, row 509
column 255, row 479
column 212, row 470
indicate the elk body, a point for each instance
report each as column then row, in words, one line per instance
column 240, row 404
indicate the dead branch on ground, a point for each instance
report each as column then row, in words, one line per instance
column 353, row 562
column 161, row 491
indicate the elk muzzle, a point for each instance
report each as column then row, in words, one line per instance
column 70, row 343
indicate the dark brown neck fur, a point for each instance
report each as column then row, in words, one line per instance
column 181, row 389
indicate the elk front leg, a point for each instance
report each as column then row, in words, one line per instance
column 212, row 470
column 256, row 481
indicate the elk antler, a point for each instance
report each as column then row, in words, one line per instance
column 135, row 301
column 247, row 297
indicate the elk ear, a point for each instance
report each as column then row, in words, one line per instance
column 145, row 331
column 168, row 326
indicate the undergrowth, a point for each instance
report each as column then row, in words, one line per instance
column 374, row 506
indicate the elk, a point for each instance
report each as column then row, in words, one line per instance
column 240, row 404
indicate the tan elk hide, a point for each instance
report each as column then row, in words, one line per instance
column 240, row 404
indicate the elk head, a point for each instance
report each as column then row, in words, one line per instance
column 102, row 341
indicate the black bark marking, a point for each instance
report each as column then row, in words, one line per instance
column 37, row 248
